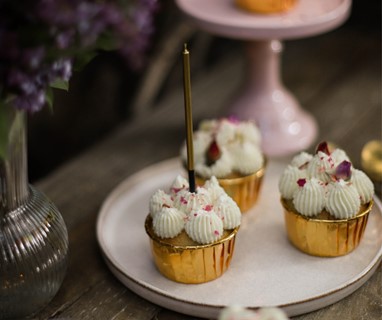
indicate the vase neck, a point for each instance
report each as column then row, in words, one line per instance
column 13, row 163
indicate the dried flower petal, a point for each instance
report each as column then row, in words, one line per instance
column 301, row 182
column 323, row 147
column 343, row 171
column 213, row 153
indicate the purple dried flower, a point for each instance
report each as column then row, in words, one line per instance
column 343, row 171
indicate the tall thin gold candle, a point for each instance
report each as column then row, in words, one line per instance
column 188, row 117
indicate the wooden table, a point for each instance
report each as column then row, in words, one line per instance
column 336, row 77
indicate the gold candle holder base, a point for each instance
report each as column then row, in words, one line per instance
column 266, row 6
column 325, row 237
column 243, row 190
column 182, row 260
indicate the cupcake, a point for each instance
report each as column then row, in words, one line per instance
column 326, row 202
column 236, row 312
column 266, row 6
column 229, row 150
column 192, row 235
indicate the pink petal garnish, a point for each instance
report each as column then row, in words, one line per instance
column 176, row 190
column 216, row 232
column 343, row 171
column 208, row 207
column 183, row 200
column 301, row 182
column 233, row 119
column 323, row 147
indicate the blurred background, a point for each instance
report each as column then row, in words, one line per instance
column 107, row 93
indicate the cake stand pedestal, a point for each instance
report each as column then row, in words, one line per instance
column 286, row 128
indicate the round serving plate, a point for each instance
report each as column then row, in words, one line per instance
column 266, row 270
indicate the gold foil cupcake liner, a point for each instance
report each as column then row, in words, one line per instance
column 243, row 190
column 191, row 263
column 266, row 6
column 325, row 238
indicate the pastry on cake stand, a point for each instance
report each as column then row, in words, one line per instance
column 286, row 128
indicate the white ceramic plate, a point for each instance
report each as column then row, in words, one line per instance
column 265, row 270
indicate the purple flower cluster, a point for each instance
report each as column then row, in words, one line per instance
column 41, row 39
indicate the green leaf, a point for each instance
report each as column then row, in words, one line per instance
column 49, row 97
column 60, row 84
column 106, row 42
column 83, row 59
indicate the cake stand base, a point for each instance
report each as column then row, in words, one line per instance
column 286, row 128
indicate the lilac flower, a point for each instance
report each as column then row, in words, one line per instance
column 40, row 40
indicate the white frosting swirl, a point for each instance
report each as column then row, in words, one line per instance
column 321, row 167
column 204, row 226
column 339, row 155
column 288, row 181
column 169, row 216
column 159, row 200
column 247, row 157
column 221, row 168
column 309, row 200
column 238, row 145
column 363, row 184
column 301, row 159
column 179, row 184
column 342, row 200
column 168, row 223
column 228, row 212
column 213, row 188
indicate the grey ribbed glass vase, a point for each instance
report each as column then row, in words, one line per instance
column 33, row 235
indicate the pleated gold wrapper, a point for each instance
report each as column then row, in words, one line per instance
column 182, row 260
column 266, row 6
column 243, row 190
column 325, row 237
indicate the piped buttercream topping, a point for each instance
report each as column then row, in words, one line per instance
column 216, row 209
column 363, row 184
column 159, row 200
column 169, row 222
column 204, row 226
column 343, row 201
column 344, row 187
column 236, row 148
column 309, row 197
column 288, row 181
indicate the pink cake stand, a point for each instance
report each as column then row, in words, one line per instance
column 286, row 128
